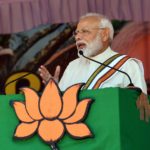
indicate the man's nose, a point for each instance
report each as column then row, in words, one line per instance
column 78, row 37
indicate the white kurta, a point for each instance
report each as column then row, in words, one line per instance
column 79, row 71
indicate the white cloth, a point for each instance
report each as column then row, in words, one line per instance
column 79, row 71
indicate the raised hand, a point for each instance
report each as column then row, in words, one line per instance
column 46, row 76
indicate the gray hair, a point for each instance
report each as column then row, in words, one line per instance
column 104, row 22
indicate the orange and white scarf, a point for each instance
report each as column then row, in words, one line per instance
column 104, row 73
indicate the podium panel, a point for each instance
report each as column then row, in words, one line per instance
column 113, row 119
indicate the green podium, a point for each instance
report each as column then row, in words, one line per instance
column 113, row 119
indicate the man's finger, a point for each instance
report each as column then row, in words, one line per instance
column 44, row 73
column 143, row 106
column 142, row 113
column 43, row 69
column 57, row 73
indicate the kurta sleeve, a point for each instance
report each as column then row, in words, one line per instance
column 135, row 70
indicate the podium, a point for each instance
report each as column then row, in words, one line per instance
column 113, row 119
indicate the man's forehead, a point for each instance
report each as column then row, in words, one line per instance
column 88, row 22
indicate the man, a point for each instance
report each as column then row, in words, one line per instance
column 93, row 36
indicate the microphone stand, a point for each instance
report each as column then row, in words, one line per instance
column 131, row 85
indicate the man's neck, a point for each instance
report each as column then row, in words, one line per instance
column 105, row 47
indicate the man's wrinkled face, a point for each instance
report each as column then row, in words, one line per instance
column 92, row 48
column 87, row 36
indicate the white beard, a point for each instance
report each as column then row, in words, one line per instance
column 92, row 48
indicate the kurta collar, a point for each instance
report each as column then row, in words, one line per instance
column 104, row 55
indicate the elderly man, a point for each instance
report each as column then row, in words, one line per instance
column 93, row 36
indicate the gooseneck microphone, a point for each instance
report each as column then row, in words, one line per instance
column 81, row 53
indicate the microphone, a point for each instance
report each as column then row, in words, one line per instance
column 130, row 85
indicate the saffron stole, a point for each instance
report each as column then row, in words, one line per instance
column 103, row 73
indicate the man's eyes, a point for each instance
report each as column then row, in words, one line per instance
column 85, row 31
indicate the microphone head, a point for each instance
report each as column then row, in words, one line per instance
column 80, row 52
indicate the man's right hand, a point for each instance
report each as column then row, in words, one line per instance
column 143, row 106
column 46, row 76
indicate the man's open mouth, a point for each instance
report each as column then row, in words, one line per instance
column 81, row 45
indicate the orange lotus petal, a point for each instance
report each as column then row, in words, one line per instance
column 80, row 112
column 69, row 101
column 21, row 112
column 51, row 103
column 79, row 130
column 25, row 130
column 32, row 103
column 51, row 131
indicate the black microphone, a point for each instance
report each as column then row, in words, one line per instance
column 131, row 84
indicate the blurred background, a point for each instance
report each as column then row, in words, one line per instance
column 36, row 32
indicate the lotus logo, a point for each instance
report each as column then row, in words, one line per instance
column 52, row 114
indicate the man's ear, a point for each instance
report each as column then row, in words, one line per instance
column 105, row 34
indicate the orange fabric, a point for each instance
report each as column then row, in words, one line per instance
column 110, row 73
